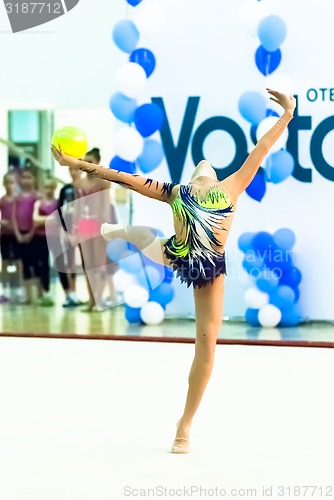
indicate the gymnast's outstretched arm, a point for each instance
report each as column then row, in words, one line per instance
column 240, row 180
column 161, row 191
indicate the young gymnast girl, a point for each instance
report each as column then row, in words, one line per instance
column 8, row 244
column 24, row 230
column 203, row 211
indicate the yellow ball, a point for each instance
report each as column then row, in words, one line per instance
column 72, row 140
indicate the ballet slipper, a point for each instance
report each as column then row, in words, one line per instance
column 181, row 444
column 107, row 230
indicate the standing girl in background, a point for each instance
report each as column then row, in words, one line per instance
column 93, row 208
column 65, row 261
column 112, row 300
column 8, row 242
column 24, row 231
column 43, row 208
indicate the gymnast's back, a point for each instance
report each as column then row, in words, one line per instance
column 202, row 210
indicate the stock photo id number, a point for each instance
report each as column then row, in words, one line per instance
column 26, row 15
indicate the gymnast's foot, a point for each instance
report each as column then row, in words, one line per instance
column 181, row 442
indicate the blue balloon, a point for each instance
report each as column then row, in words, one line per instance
column 150, row 277
column 123, row 107
column 271, row 112
column 151, row 156
column 148, row 119
column 126, row 35
column 283, row 297
column 267, row 281
column 169, row 275
column 297, row 293
column 245, row 241
column 285, row 238
column 132, row 314
column 266, row 61
column 116, row 249
column 118, row 163
column 252, row 317
column 252, row 107
column 279, row 166
column 290, row 317
column 278, row 259
column 163, row 294
column 144, row 58
column 292, row 277
column 262, row 243
column 134, row 3
column 257, row 188
column 252, row 263
column 131, row 262
column 272, row 32
column 166, row 274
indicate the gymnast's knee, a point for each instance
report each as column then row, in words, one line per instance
column 206, row 341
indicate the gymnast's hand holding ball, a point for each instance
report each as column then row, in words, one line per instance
column 72, row 144
column 63, row 159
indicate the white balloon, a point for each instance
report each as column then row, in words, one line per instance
column 129, row 144
column 255, row 299
column 135, row 296
column 131, row 79
column 266, row 125
column 251, row 13
column 152, row 313
column 123, row 280
column 269, row 316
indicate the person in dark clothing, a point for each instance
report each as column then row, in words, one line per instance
column 65, row 260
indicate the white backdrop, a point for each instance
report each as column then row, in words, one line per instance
column 202, row 50
column 205, row 51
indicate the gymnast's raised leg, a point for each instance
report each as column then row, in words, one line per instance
column 143, row 237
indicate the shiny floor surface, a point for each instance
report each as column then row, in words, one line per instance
column 57, row 321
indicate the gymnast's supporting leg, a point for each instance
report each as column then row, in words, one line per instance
column 209, row 315
column 143, row 237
